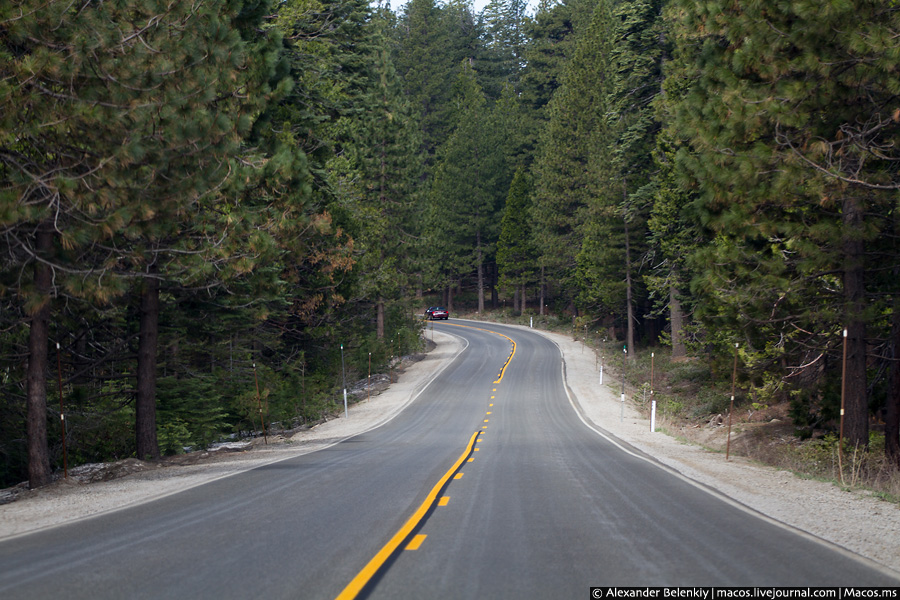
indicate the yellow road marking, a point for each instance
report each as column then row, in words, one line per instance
column 488, row 412
column 443, row 501
column 477, row 449
column 416, row 542
column 511, row 354
column 458, row 476
column 486, row 420
column 471, row 459
column 365, row 575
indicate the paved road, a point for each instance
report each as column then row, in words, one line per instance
column 546, row 508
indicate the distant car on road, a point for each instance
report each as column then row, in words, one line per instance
column 437, row 312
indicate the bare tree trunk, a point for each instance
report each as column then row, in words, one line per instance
column 36, row 375
column 145, row 406
column 629, row 308
column 856, row 415
column 379, row 319
column 543, row 293
column 480, row 272
column 676, row 319
column 495, row 298
column 892, row 409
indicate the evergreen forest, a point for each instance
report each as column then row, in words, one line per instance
column 212, row 212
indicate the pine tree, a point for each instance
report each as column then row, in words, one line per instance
column 565, row 185
column 470, row 182
column 130, row 126
column 622, row 164
column 382, row 177
column 788, row 119
column 551, row 37
column 426, row 66
column 515, row 252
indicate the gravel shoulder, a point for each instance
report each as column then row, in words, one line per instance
column 854, row 520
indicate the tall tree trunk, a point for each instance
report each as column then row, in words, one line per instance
column 449, row 298
column 480, row 259
column 145, row 408
column 676, row 319
column 543, row 293
column 379, row 319
column 629, row 308
column 36, row 375
column 856, row 415
column 892, row 409
column 495, row 297
column 522, row 301
column 515, row 300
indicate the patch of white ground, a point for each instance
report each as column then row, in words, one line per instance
column 853, row 520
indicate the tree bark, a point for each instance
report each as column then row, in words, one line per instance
column 892, row 409
column 145, row 407
column 543, row 293
column 629, row 308
column 516, row 300
column 379, row 319
column 36, row 375
column 480, row 259
column 522, row 301
column 495, row 297
column 856, row 414
column 676, row 319
column 892, row 406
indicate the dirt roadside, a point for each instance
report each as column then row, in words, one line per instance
column 856, row 521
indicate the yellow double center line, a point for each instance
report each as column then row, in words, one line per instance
column 363, row 577
column 511, row 341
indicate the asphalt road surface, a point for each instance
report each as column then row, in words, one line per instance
column 489, row 485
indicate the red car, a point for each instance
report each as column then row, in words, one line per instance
column 437, row 312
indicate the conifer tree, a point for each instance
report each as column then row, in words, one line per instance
column 515, row 251
column 551, row 37
column 622, row 164
column 470, row 182
column 134, row 118
column 791, row 130
column 564, row 185
column 427, row 68
column 384, row 174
